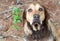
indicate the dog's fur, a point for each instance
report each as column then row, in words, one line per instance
column 55, row 31
column 40, row 33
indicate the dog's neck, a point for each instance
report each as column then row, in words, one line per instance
column 43, row 32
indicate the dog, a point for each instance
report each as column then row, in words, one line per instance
column 35, row 23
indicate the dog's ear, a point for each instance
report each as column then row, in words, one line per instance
column 47, row 16
column 24, row 17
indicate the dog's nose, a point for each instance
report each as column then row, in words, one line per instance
column 36, row 16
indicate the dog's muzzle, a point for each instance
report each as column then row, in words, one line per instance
column 36, row 22
column 36, row 19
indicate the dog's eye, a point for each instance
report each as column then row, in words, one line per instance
column 29, row 10
column 40, row 9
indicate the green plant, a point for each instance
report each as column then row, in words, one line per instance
column 17, row 15
column 16, row 27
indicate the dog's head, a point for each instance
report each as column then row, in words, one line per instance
column 34, row 14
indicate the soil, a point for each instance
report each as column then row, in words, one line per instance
column 52, row 7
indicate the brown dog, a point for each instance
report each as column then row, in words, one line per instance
column 35, row 24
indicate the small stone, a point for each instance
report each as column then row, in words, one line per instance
column 59, row 2
column 1, row 27
column 1, row 37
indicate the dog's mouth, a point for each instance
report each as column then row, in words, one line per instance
column 35, row 22
column 36, row 25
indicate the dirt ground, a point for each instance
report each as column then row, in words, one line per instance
column 53, row 9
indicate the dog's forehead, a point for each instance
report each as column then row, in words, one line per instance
column 35, row 6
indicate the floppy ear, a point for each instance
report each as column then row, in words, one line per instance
column 24, row 17
column 47, row 16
